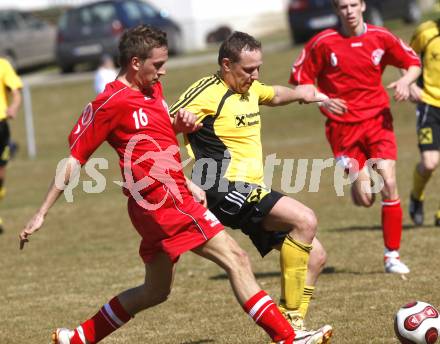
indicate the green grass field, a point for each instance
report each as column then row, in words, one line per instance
column 87, row 250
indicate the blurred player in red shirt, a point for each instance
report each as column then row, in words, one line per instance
column 131, row 114
column 347, row 65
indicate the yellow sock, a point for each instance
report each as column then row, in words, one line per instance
column 294, row 257
column 305, row 300
column 2, row 192
column 419, row 183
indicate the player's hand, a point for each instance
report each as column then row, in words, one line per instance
column 335, row 105
column 309, row 94
column 185, row 122
column 401, row 89
column 198, row 194
column 415, row 93
column 31, row 227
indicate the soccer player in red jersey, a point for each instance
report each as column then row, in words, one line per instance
column 347, row 65
column 131, row 114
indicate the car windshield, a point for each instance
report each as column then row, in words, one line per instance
column 131, row 9
column 89, row 16
column 102, row 13
column 148, row 11
column 137, row 12
column 8, row 21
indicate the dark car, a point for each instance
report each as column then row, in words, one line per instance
column 307, row 17
column 88, row 32
column 25, row 40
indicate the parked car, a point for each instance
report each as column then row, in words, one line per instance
column 307, row 17
column 25, row 40
column 88, row 32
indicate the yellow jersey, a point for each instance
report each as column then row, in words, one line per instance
column 230, row 135
column 426, row 42
column 8, row 79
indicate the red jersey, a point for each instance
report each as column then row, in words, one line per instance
column 351, row 68
column 139, row 129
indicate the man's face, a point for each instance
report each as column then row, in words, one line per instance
column 240, row 75
column 151, row 69
column 350, row 12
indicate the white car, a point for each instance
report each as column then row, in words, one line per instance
column 25, row 40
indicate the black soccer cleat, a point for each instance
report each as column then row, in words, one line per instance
column 416, row 211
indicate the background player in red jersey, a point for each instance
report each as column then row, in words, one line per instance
column 347, row 65
column 132, row 116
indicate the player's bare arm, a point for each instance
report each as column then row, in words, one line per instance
column 402, row 86
column 302, row 93
column 35, row 223
column 185, row 122
column 12, row 109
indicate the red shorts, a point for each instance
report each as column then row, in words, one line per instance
column 174, row 228
column 370, row 139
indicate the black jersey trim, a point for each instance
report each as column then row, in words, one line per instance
column 222, row 102
column 206, row 144
column 192, row 93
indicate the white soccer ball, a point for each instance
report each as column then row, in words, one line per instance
column 417, row 323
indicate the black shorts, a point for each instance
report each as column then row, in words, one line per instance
column 428, row 127
column 244, row 206
column 4, row 142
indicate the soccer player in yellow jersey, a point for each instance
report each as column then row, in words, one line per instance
column 426, row 42
column 9, row 83
column 229, row 167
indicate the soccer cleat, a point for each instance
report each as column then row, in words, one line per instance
column 416, row 210
column 304, row 336
column 294, row 318
column 320, row 336
column 393, row 264
column 61, row 336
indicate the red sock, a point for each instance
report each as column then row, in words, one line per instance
column 108, row 319
column 391, row 223
column 265, row 313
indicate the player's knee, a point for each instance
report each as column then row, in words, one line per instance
column 163, row 295
column 390, row 188
column 430, row 165
column 309, row 223
column 154, row 296
column 239, row 260
column 242, row 259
